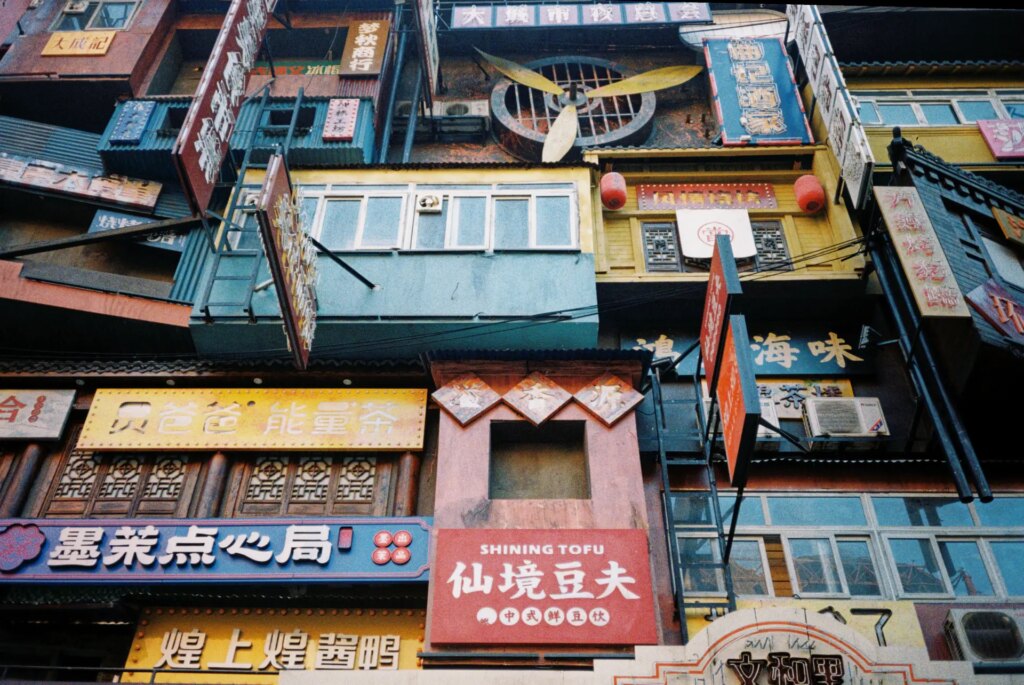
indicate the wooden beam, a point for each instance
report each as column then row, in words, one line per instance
column 128, row 232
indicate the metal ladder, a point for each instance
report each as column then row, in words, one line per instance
column 679, row 565
column 224, row 248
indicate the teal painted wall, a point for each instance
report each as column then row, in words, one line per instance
column 426, row 301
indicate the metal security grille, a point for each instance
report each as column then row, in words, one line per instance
column 537, row 110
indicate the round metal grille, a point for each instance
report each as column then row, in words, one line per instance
column 523, row 116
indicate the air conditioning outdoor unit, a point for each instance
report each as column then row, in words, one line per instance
column 76, row 6
column 462, row 116
column 768, row 413
column 844, row 417
column 985, row 635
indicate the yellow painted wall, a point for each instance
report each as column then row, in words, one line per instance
column 580, row 176
column 901, row 630
column 618, row 247
column 962, row 144
column 217, row 626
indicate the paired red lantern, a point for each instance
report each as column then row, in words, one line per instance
column 810, row 196
column 613, row 190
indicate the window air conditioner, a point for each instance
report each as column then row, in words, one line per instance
column 985, row 635
column 768, row 413
column 76, row 6
column 844, row 417
column 429, row 203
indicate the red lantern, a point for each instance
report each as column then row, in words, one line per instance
column 810, row 196
column 613, row 190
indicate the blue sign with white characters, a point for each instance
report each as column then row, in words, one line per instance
column 755, row 94
column 106, row 220
column 131, row 122
column 215, row 550
column 803, row 350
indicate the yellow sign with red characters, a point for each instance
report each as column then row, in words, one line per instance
column 265, row 419
column 78, row 43
column 253, row 645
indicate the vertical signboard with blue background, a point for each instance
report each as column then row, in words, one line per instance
column 755, row 93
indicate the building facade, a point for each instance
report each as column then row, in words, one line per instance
column 450, row 341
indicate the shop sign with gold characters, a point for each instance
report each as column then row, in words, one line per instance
column 265, row 419
column 243, row 645
column 78, row 43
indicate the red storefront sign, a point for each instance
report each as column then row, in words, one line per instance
column 1005, row 137
column 998, row 308
column 203, row 141
column 653, row 196
column 542, row 587
column 723, row 285
column 292, row 259
column 738, row 400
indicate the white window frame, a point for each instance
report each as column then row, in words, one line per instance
column 836, row 561
column 682, row 533
column 363, row 200
column 993, row 96
column 89, row 26
column 877, row 538
column 409, row 222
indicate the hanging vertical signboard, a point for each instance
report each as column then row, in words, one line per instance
column 738, row 401
column 723, row 288
column 203, row 141
column 924, row 263
column 427, row 25
column 845, row 133
column 755, row 94
column 363, row 54
column 292, row 259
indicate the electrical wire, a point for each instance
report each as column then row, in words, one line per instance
column 657, row 294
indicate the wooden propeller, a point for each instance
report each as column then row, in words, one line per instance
column 563, row 132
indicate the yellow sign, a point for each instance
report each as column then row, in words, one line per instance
column 213, row 645
column 897, row 621
column 71, row 43
column 265, row 419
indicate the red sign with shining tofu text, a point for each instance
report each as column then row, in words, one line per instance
column 542, row 587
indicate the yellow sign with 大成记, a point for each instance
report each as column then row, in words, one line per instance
column 235, row 645
column 266, row 419
column 78, row 43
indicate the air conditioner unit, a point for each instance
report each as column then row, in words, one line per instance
column 768, row 413
column 461, row 108
column 985, row 635
column 76, row 6
column 429, row 203
column 844, row 417
column 462, row 116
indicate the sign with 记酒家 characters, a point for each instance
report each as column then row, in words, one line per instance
column 265, row 419
column 214, row 550
column 754, row 91
column 542, row 587
column 34, row 414
column 209, row 644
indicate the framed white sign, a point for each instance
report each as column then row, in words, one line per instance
column 699, row 227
